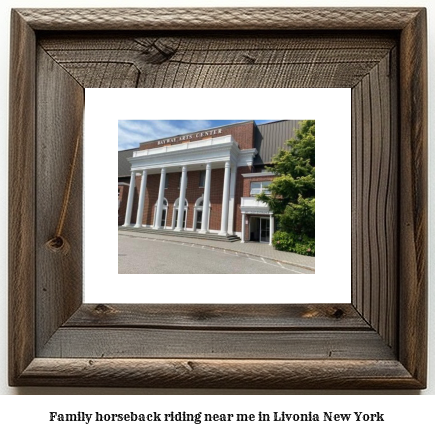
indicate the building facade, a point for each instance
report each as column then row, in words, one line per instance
column 204, row 181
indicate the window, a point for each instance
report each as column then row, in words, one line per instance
column 166, row 180
column 198, row 220
column 177, row 201
column 163, row 222
column 202, row 178
column 197, row 213
column 258, row 187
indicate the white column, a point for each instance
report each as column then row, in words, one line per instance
column 181, row 199
column 143, row 185
column 206, row 202
column 243, row 227
column 225, row 200
column 232, row 199
column 271, row 228
column 157, row 224
column 173, row 222
column 195, row 213
column 130, row 199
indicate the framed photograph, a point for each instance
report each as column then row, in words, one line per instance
column 377, row 341
column 240, row 271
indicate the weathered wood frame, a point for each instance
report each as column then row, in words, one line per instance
column 378, row 341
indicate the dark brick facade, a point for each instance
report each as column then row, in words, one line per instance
column 122, row 198
column 172, row 193
column 238, row 196
column 242, row 133
column 122, row 203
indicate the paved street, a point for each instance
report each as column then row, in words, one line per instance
column 147, row 255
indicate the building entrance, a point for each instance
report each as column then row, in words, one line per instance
column 259, row 229
column 198, row 219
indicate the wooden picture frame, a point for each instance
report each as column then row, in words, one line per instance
column 376, row 342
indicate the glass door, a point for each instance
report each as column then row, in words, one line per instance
column 264, row 230
column 163, row 222
column 198, row 219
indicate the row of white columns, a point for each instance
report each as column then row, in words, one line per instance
column 229, row 181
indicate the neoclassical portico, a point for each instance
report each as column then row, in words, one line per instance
column 203, row 155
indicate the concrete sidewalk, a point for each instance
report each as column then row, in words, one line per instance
column 250, row 248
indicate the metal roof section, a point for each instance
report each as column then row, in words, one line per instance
column 258, row 174
column 270, row 137
column 124, row 166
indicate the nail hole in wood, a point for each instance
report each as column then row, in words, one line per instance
column 338, row 314
column 103, row 309
column 58, row 244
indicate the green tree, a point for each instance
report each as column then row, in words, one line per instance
column 291, row 193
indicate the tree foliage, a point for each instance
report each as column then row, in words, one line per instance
column 291, row 194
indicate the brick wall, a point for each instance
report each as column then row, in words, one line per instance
column 172, row 193
column 122, row 197
column 243, row 134
column 193, row 192
column 238, row 196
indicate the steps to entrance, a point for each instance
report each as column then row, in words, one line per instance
column 183, row 234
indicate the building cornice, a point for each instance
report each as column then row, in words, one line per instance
column 197, row 132
column 258, row 175
column 215, row 151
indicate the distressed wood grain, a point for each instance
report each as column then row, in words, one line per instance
column 130, row 342
column 21, row 197
column 375, row 198
column 213, row 60
column 59, row 277
column 228, row 374
column 220, row 317
column 220, row 18
column 413, row 197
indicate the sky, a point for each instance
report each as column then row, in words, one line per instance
column 133, row 132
